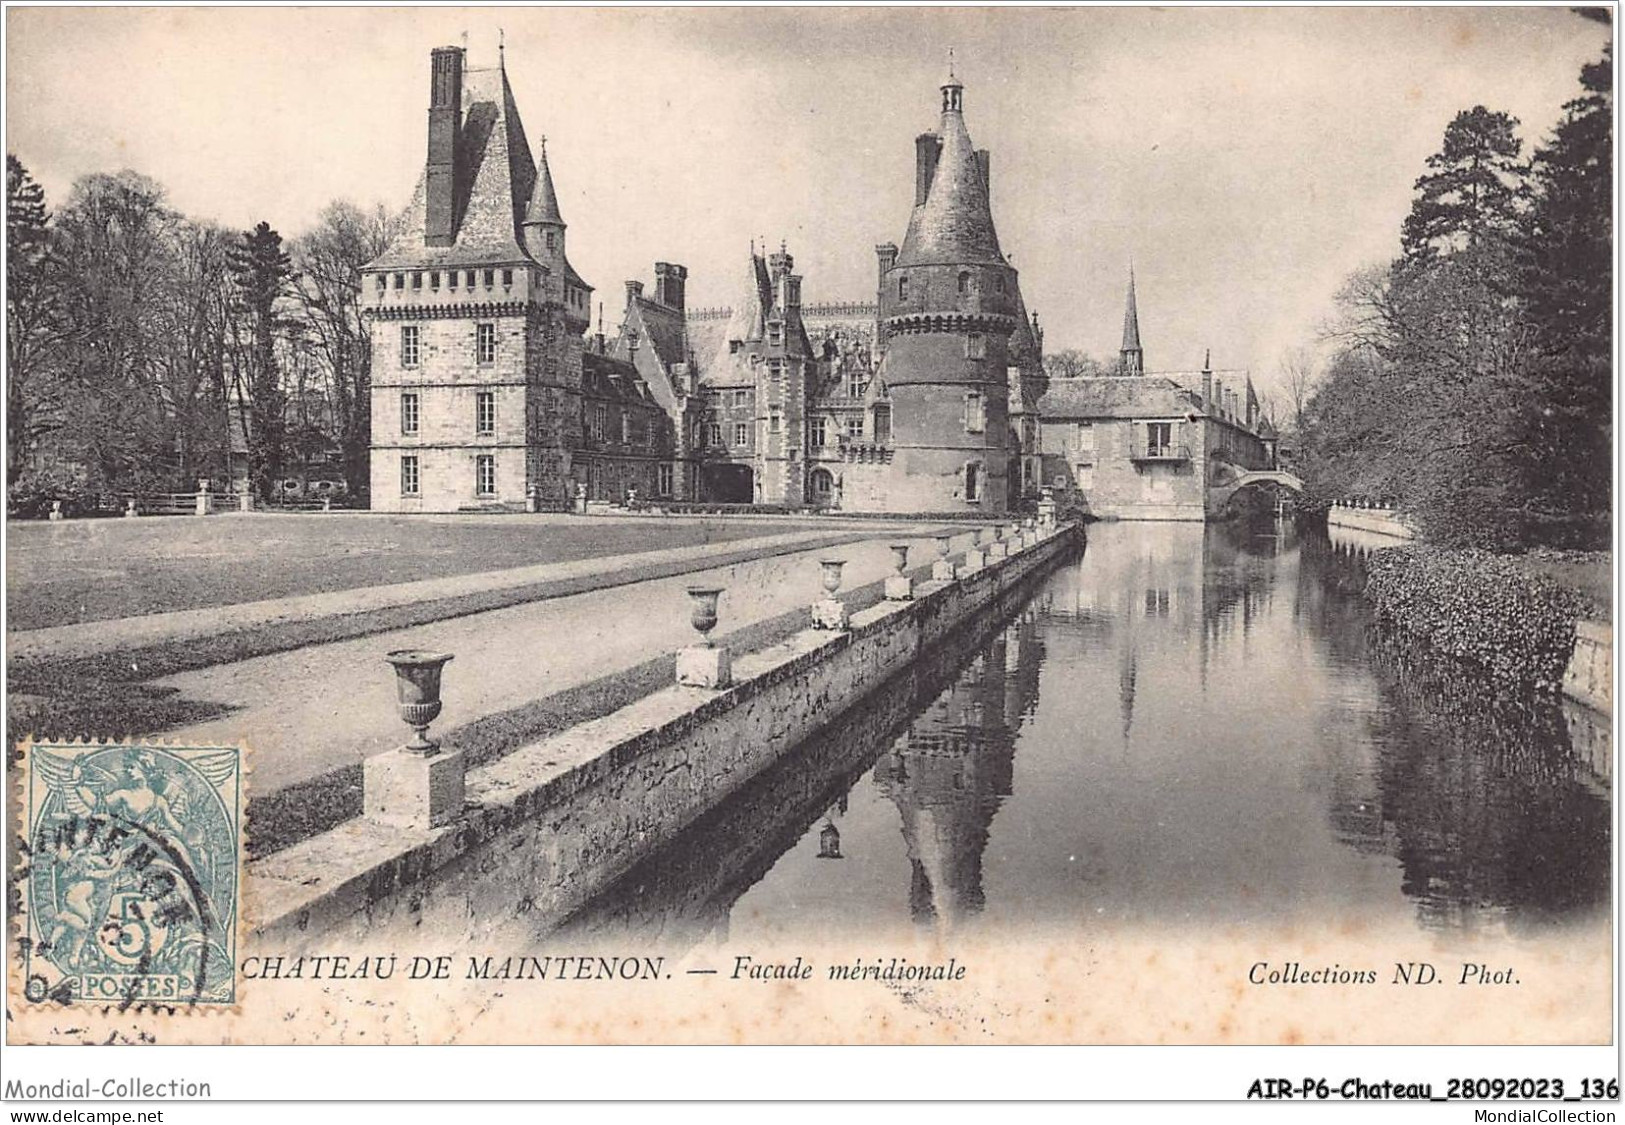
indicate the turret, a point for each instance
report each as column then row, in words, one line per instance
column 544, row 226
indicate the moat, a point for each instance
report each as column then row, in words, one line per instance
column 1182, row 727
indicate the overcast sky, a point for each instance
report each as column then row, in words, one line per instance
column 1246, row 160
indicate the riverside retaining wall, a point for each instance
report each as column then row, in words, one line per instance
column 551, row 824
column 1380, row 521
column 1589, row 678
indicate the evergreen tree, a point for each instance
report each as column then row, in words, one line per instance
column 261, row 269
column 1563, row 419
column 1470, row 196
column 32, row 322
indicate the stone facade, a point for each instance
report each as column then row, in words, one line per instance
column 922, row 400
column 1149, row 446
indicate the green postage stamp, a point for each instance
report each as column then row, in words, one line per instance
column 132, row 874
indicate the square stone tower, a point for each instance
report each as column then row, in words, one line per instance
column 476, row 315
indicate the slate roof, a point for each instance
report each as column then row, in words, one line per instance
column 1131, row 396
column 664, row 330
column 495, row 178
column 604, row 376
column 954, row 225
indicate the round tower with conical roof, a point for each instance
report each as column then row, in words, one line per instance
column 947, row 307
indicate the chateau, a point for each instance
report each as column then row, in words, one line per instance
column 488, row 392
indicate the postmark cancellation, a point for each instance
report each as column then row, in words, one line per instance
column 130, row 874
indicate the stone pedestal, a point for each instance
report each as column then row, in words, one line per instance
column 56, row 510
column 413, row 790
column 999, row 549
column 245, row 501
column 974, row 561
column 706, row 666
column 202, row 508
column 942, row 571
column 899, row 588
column 829, row 613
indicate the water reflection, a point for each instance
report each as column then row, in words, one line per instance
column 1187, row 726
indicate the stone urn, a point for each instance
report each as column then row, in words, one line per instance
column 998, row 532
column 829, row 842
column 943, row 542
column 899, row 557
column 417, row 692
column 832, row 574
column 703, row 613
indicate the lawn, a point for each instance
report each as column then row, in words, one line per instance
column 93, row 570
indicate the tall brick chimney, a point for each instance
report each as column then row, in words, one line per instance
column 886, row 257
column 670, row 281
column 634, row 290
column 445, row 116
column 927, row 147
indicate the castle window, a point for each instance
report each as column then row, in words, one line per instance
column 485, row 413
column 490, row 278
column 902, row 288
column 400, row 281
column 976, row 346
column 409, row 414
column 1086, row 437
column 663, row 480
column 855, row 384
column 410, row 339
column 973, row 482
column 775, row 334
column 409, row 474
column 818, row 432
column 381, row 281
column 626, row 427
column 854, row 427
column 741, row 433
column 975, row 413
column 468, row 279
column 998, row 283
column 451, row 279
column 434, row 280
column 417, row 279
column 964, row 283
column 773, row 422
column 507, row 279
column 713, row 434
column 600, row 422
column 882, row 423
column 485, row 475
column 485, row 343
column 733, row 347
column 741, row 398
column 550, row 240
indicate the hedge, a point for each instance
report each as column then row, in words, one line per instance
column 1478, row 606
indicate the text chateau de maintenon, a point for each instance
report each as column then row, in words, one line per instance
column 489, row 393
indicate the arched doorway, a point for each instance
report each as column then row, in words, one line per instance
column 821, row 488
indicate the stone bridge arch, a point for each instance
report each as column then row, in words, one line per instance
column 1221, row 493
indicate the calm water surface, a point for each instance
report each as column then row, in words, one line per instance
column 1185, row 726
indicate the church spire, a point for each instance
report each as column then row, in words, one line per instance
column 1131, row 361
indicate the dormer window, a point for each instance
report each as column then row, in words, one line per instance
column 469, row 279
column 434, row 280
column 381, row 281
column 775, row 334
column 490, row 278
column 507, row 279
column 733, row 347
column 400, row 281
